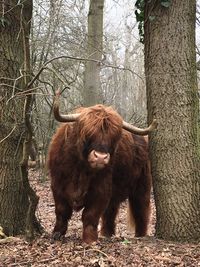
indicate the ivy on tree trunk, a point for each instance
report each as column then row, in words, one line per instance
column 172, row 98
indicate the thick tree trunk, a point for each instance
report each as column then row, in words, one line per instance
column 92, row 87
column 172, row 99
column 16, row 197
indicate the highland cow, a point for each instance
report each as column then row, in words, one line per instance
column 97, row 161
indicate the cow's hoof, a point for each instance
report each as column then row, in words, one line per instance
column 57, row 236
column 89, row 241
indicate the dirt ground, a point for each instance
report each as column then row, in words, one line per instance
column 120, row 251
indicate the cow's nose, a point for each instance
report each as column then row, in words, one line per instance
column 99, row 155
column 98, row 160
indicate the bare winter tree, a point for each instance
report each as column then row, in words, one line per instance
column 124, row 88
column 92, row 85
column 58, row 30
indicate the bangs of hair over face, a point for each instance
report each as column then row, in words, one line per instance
column 100, row 122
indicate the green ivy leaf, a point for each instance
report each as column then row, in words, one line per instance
column 139, row 16
column 151, row 18
column 165, row 3
column 139, row 13
column 140, row 4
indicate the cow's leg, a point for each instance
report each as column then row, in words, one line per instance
column 91, row 216
column 108, row 219
column 63, row 214
column 140, row 210
column 139, row 204
column 96, row 202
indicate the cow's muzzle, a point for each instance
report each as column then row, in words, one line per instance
column 98, row 160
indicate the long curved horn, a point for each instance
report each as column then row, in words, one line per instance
column 60, row 117
column 133, row 129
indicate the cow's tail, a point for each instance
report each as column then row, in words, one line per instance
column 130, row 218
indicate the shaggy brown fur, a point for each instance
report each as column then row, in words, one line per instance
column 76, row 185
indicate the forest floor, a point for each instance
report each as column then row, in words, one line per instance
column 120, row 251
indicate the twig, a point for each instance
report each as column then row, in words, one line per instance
column 96, row 250
column 44, row 66
column 2, row 140
column 76, row 58
column 58, row 76
column 31, row 262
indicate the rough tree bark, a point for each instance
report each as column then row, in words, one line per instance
column 17, row 199
column 173, row 100
column 92, row 85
